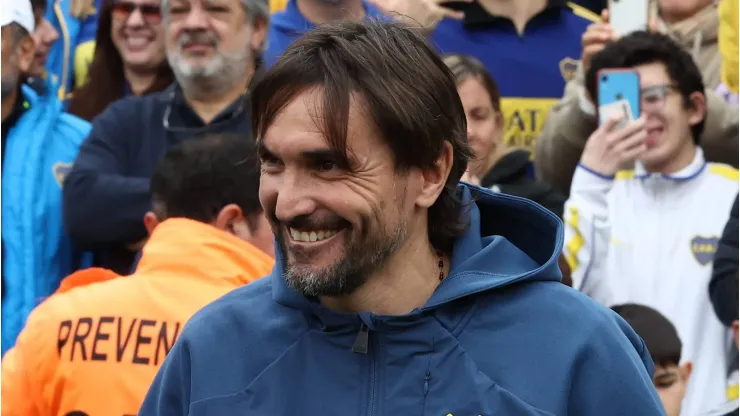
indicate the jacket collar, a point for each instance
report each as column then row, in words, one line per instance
column 691, row 171
column 477, row 16
column 180, row 246
column 509, row 240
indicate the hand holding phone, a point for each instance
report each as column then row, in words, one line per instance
column 610, row 147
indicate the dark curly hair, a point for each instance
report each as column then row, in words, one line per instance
column 641, row 48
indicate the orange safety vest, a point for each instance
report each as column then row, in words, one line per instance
column 95, row 345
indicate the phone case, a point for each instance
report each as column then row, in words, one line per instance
column 618, row 92
column 626, row 16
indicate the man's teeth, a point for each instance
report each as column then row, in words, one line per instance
column 311, row 236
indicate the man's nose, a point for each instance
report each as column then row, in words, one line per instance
column 52, row 34
column 294, row 198
column 197, row 18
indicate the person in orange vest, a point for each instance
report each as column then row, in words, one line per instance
column 94, row 346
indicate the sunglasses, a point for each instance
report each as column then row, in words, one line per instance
column 151, row 13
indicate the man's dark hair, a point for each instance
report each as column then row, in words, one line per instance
column 200, row 176
column 17, row 33
column 39, row 5
column 659, row 334
column 465, row 66
column 642, row 48
column 406, row 91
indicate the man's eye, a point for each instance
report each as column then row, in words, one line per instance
column 327, row 165
column 269, row 161
column 663, row 382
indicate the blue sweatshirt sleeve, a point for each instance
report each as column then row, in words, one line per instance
column 612, row 375
column 724, row 285
column 169, row 394
column 102, row 204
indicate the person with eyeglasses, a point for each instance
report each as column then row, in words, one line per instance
column 647, row 234
column 572, row 120
column 671, row 374
column 662, row 341
column 129, row 57
column 214, row 48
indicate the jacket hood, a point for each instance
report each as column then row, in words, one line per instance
column 180, row 246
column 510, row 240
column 696, row 32
column 512, row 166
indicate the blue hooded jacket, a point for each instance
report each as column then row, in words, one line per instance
column 500, row 336
column 38, row 253
column 289, row 24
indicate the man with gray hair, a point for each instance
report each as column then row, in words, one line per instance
column 214, row 48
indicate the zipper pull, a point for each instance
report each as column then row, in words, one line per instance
column 360, row 345
column 426, row 383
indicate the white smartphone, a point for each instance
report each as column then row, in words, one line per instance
column 627, row 16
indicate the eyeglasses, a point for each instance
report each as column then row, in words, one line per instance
column 654, row 97
column 151, row 13
column 238, row 111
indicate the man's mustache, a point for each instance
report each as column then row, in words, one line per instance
column 197, row 37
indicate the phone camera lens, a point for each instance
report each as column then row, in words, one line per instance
column 604, row 78
column 619, row 96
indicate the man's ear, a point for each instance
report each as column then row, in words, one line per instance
column 697, row 108
column 259, row 34
column 685, row 371
column 26, row 49
column 150, row 222
column 231, row 219
column 435, row 178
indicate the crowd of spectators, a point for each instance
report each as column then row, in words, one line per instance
column 131, row 179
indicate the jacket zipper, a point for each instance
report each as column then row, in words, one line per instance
column 361, row 346
column 426, row 392
column 373, row 385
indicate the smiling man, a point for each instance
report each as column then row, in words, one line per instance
column 395, row 292
column 213, row 47
column 649, row 235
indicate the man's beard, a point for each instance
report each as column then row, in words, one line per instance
column 213, row 78
column 360, row 259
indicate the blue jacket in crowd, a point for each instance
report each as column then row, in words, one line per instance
column 37, row 253
column 500, row 336
column 70, row 56
column 289, row 24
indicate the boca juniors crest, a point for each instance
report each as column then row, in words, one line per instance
column 568, row 68
column 703, row 249
column 60, row 171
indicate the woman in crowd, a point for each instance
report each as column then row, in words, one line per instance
column 507, row 170
column 129, row 57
